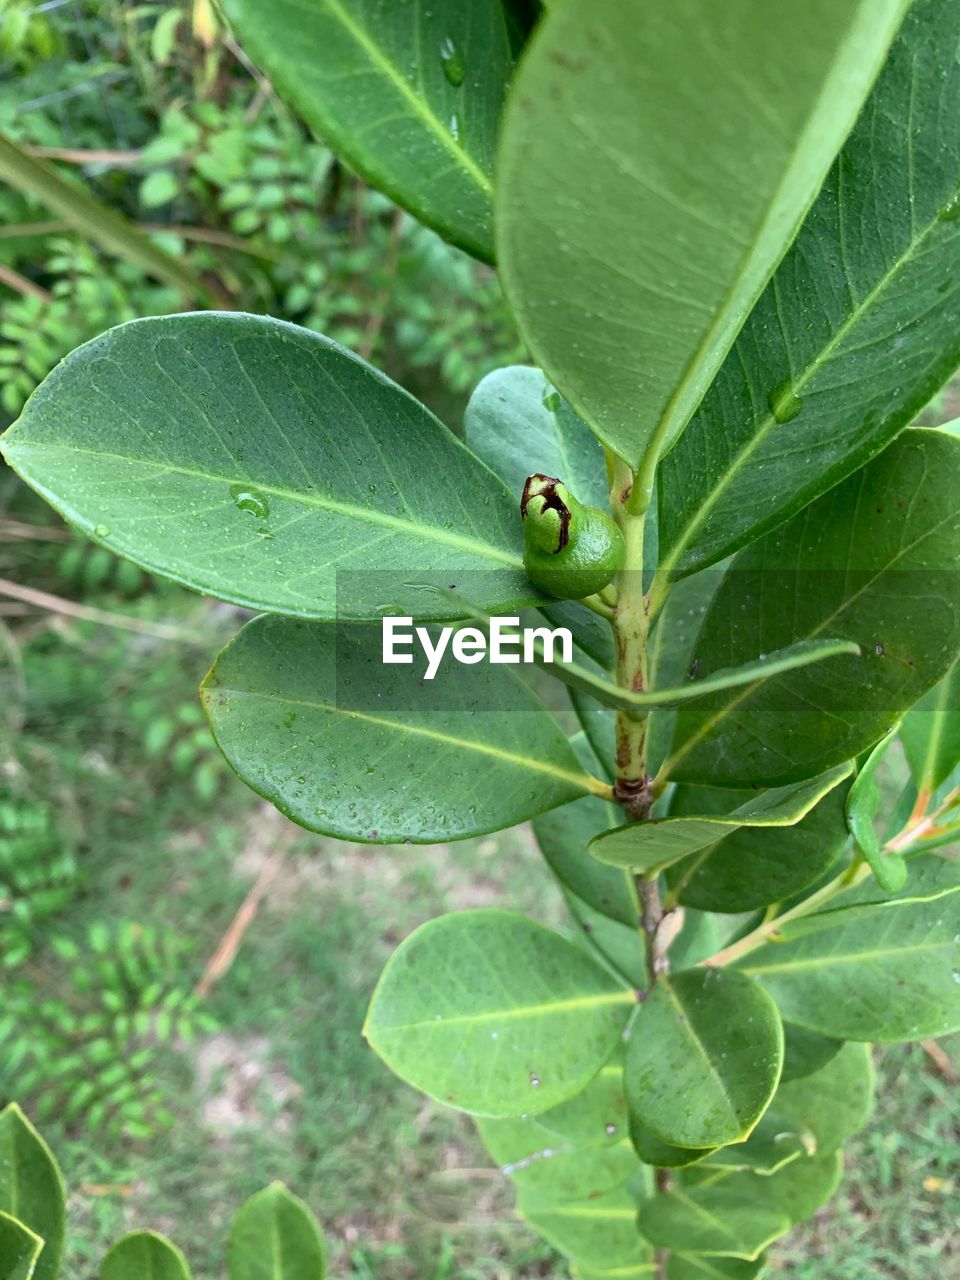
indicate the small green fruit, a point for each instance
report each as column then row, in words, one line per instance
column 570, row 551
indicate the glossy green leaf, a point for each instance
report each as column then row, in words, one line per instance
column 868, row 967
column 873, row 562
column 409, row 94
column 492, row 1013
column 143, row 1255
column 310, row 717
column 620, row 947
column 31, row 1188
column 686, row 1266
column 930, row 733
column 863, row 806
column 518, row 424
column 276, row 1237
column 711, row 1220
column 858, row 328
column 601, row 1232
column 755, row 866
column 810, row 1116
column 640, row 210
column 796, row 1190
column 704, row 1058
column 20, row 1248
column 648, row 847
column 576, row 1151
column 259, row 462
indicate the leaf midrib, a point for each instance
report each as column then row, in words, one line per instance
column 522, row 1011
column 585, row 781
column 798, row 383
column 368, row 514
column 417, row 104
column 692, row 1034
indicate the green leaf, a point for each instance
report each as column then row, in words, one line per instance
column 751, row 672
column 576, row 1151
column 863, row 805
column 632, row 1271
column 868, row 968
column 659, row 1154
column 409, row 95
column 519, row 424
column 600, row 1233
column 682, row 1266
column 799, row 1189
column 641, row 209
column 563, row 835
column 143, row 1255
column 711, row 1220
column 648, row 847
column 930, row 733
column 755, row 866
column 871, row 562
column 805, row 1052
column 494, row 1014
column 856, row 331
column 19, row 1249
column 98, row 222
column 618, row 946
column 309, row 716
column 703, row 1059
column 264, row 464
column 810, row 1116
column 31, row 1188
column 276, row 1237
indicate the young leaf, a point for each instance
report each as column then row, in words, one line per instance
column 872, row 562
column 863, row 805
column 576, row 1151
column 601, row 1232
column 930, row 734
column 309, row 717
column 711, row 1220
column 276, row 1237
column 409, row 95
column 755, row 866
column 648, row 847
column 869, row 968
column 31, row 1188
column 703, row 1059
column 856, row 331
column 20, row 1249
column 641, row 208
column 519, row 424
column 264, row 464
column 143, row 1255
column 494, row 1014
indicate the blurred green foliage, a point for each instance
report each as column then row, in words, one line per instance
column 187, row 140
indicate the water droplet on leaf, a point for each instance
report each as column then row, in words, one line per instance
column 452, row 61
column 247, row 499
column 784, row 403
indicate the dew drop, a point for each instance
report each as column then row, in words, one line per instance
column 102, row 531
column 552, row 401
column 784, row 403
column 951, row 210
column 452, row 61
column 609, row 1130
column 252, row 500
column 534, row 1080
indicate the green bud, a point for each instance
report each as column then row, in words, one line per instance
column 570, row 551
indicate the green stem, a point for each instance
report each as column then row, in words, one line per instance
column 598, row 605
column 769, row 928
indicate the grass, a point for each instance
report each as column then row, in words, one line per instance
column 287, row 1087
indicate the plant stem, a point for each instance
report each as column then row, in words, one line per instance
column 598, row 605
column 769, row 928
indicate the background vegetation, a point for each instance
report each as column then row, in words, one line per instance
column 174, row 1074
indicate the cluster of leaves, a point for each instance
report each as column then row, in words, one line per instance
column 668, row 1098
column 39, row 874
column 88, row 1053
column 273, row 1237
column 224, row 161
